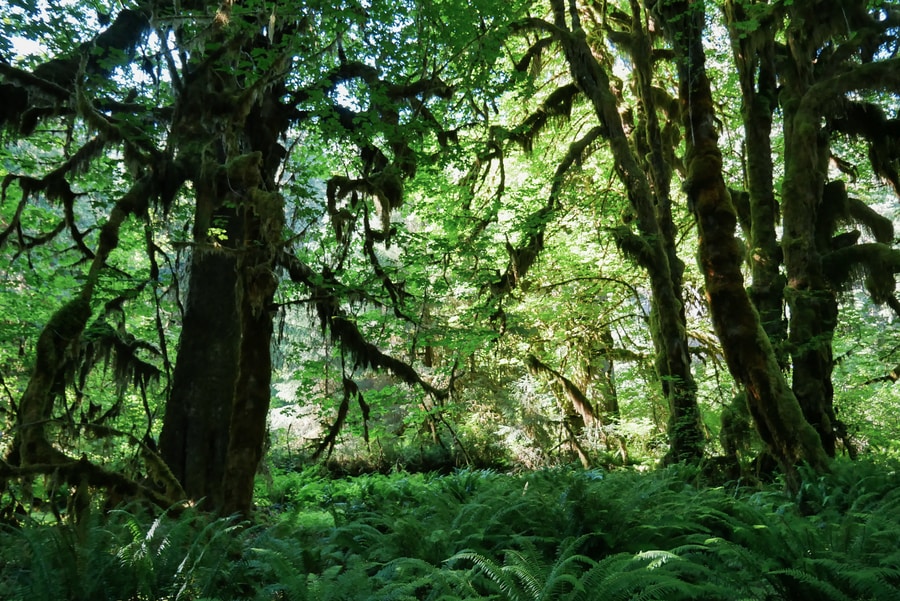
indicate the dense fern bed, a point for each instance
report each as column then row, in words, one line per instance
column 562, row 534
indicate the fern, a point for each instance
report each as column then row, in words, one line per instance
column 66, row 562
column 559, row 534
column 413, row 579
column 621, row 576
column 289, row 581
column 495, row 572
column 524, row 576
column 807, row 586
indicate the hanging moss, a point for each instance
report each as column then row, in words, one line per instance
column 873, row 263
column 62, row 329
column 268, row 208
column 634, row 246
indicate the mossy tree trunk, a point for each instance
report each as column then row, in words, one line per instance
column 813, row 306
column 194, row 437
column 263, row 220
column 646, row 180
column 754, row 56
column 816, row 84
column 215, row 424
column 748, row 351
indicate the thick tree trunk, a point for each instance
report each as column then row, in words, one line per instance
column 263, row 220
column 813, row 305
column 247, row 426
column 227, row 135
column 748, row 351
column 194, row 436
column 668, row 320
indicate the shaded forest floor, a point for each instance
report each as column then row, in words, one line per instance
column 555, row 534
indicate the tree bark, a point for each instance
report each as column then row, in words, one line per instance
column 748, row 351
column 194, row 436
column 214, row 430
column 263, row 221
column 816, row 81
column 754, row 56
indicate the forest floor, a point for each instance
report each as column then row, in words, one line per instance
column 477, row 534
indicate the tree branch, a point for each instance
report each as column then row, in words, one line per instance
column 343, row 328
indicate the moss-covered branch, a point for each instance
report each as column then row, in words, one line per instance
column 579, row 401
column 61, row 332
column 343, row 328
column 47, row 90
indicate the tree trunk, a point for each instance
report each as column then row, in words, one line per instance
column 194, row 436
column 650, row 248
column 748, row 351
column 263, row 222
column 813, row 306
column 754, row 56
column 214, row 431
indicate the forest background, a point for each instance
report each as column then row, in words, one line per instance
column 242, row 238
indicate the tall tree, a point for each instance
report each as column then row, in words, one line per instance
column 833, row 54
column 641, row 155
column 747, row 348
column 229, row 87
column 754, row 56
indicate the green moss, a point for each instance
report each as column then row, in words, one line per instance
column 243, row 170
column 70, row 319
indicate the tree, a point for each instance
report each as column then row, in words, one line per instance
column 226, row 92
column 420, row 173
column 641, row 155
column 844, row 54
column 747, row 348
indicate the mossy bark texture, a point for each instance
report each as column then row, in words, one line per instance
column 758, row 212
column 747, row 348
column 215, row 424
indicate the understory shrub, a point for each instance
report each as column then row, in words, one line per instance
column 474, row 534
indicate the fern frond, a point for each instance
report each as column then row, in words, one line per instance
column 502, row 578
column 810, row 585
column 291, row 581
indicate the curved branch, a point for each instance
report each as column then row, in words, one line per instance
column 523, row 256
column 557, row 105
column 62, row 331
column 533, row 55
column 883, row 75
column 578, row 399
column 56, row 78
column 343, row 328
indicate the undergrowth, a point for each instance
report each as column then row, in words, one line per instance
column 552, row 535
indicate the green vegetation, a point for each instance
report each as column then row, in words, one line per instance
column 328, row 299
column 473, row 534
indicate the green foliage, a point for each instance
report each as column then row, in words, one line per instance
column 555, row 534
column 484, row 152
column 127, row 554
